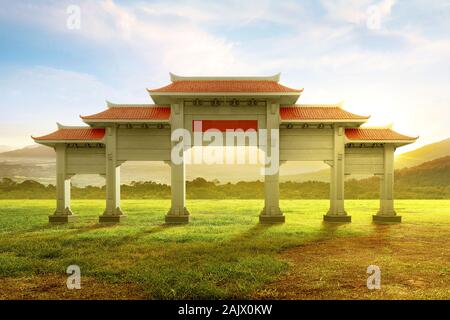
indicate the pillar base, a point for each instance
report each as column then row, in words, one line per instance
column 55, row 218
column 336, row 218
column 272, row 211
column 181, row 219
column 177, row 215
column 271, row 219
column 386, row 219
column 113, row 212
column 111, row 218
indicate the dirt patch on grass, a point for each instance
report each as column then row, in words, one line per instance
column 53, row 286
column 414, row 263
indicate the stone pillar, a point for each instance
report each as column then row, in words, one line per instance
column 62, row 213
column 387, row 212
column 337, row 213
column 178, row 212
column 271, row 212
column 382, row 192
column 112, row 213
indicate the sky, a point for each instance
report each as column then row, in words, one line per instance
column 385, row 58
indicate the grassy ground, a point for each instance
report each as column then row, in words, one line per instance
column 224, row 252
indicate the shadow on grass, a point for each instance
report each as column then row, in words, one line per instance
column 160, row 228
column 382, row 229
column 384, row 232
column 330, row 228
column 70, row 226
column 129, row 237
column 251, row 233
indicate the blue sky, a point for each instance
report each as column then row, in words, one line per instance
column 389, row 59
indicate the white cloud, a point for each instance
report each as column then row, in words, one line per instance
column 372, row 14
column 352, row 11
column 164, row 44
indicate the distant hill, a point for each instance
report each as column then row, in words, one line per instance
column 319, row 175
column 5, row 148
column 430, row 180
column 431, row 173
column 426, row 153
column 33, row 151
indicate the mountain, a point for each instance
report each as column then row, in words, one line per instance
column 426, row 153
column 33, row 151
column 319, row 175
column 430, row 180
column 5, row 148
column 431, row 173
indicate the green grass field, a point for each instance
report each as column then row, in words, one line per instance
column 222, row 253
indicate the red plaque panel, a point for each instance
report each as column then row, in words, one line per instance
column 223, row 125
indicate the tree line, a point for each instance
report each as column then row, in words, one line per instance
column 200, row 188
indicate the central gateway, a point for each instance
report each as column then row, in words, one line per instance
column 127, row 132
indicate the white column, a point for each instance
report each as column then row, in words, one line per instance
column 112, row 213
column 271, row 212
column 382, row 193
column 387, row 212
column 62, row 212
column 178, row 212
column 337, row 212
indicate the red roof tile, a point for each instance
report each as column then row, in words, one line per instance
column 74, row 134
column 375, row 134
column 225, row 86
column 132, row 113
column 317, row 113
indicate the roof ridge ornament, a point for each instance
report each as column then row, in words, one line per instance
column 175, row 78
column 63, row 126
column 315, row 105
column 110, row 104
column 388, row 126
